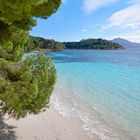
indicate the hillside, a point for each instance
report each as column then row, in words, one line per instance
column 126, row 44
column 39, row 43
column 96, row 44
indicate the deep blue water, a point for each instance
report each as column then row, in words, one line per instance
column 107, row 80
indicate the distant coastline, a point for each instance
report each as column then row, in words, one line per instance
column 93, row 44
column 38, row 44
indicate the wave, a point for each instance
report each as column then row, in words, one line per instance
column 93, row 122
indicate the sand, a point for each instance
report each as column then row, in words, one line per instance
column 50, row 125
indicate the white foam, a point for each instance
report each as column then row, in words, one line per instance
column 87, row 122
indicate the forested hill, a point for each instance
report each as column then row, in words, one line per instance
column 97, row 44
column 37, row 43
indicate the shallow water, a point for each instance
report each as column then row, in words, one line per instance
column 108, row 82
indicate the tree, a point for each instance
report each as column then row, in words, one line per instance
column 25, row 85
column 37, row 43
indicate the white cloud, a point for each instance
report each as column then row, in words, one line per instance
column 84, row 30
column 133, row 25
column 92, row 5
column 128, row 17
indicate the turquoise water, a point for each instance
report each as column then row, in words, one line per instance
column 108, row 81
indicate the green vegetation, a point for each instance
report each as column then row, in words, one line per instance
column 36, row 43
column 93, row 44
column 25, row 86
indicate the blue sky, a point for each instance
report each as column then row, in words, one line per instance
column 81, row 19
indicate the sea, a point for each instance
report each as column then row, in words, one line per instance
column 102, row 89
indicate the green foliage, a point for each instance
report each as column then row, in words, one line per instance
column 25, row 86
column 41, row 43
column 93, row 44
column 34, row 43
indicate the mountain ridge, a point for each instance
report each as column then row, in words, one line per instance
column 126, row 43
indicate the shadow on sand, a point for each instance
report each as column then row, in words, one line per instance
column 6, row 132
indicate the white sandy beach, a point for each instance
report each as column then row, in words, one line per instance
column 51, row 125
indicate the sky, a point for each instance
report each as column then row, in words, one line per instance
column 82, row 19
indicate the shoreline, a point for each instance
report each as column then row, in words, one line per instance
column 50, row 125
column 67, row 118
